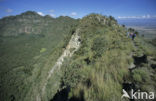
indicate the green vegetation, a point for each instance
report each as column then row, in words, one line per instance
column 96, row 72
column 153, row 42
column 144, row 73
column 25, row 58
column 100, row 67
column 102, row 60
column 43, row 50
column 141, row 75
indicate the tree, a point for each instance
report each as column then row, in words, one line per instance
column 112, row 18
column 136, row 32
column 123, row 25
column 131, row 29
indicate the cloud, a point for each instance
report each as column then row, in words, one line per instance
column 128, row 17
column 148, row 16
column 51, row 11
column 137, row 17
column 9, row 10
column 40, row 13
column 73, row 14
column 52, row 15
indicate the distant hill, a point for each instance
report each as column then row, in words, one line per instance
column 32, row 23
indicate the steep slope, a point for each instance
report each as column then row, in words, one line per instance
column 101, row 62
column 72, row 47
column 72, row 60
column 100, row 69
column 26, row 58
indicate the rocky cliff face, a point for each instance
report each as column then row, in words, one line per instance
column 72, row 47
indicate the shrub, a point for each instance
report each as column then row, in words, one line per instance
column 43, row 50
column 141, row 75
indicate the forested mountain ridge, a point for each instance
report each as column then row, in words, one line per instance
column 25, row 58
column 103, row 62
column 31, row 23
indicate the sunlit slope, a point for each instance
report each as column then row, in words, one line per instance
column 107, row 61
column 90, row 59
